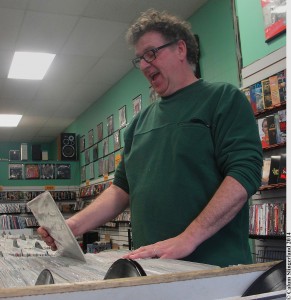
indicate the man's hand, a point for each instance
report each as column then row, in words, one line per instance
column 47, row 238
column 174, row 248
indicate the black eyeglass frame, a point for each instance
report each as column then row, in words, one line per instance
column 136, row 61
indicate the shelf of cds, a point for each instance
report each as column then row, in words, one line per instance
column 14, row 213
column 18, row 171
column 264, row 84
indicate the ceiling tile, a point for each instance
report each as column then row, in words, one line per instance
column 44, row 32
column 10, row 22
column 66, row 7
column 70, row 68
column 92, row 37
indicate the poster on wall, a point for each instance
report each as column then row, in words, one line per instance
column 122, row 117
column 15, row 171
column 136, row 102
column 274, row 12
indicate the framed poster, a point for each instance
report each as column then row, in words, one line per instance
column 99, row 132
column 105, row 146
column 47, row 171
column 15, row 171
column 100, row 167
column 111, row 163
column 14, row 155
column 87, row 157
column 63, row 171
column 122, row 116
column 91, row 171
column 274, row 12
column 32, row 171
column 116, row 141
column 95, row 152
column 110, row 125
column 136, row 103
column 90, row 138
column 82, row 143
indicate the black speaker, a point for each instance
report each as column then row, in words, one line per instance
column 36, row 152
column 68, row 146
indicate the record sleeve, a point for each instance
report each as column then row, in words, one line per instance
column 274, row 169
column 32, row 171
column 63, row 171
column 15, row 171
column 49, row 216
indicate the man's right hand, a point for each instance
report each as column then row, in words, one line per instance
column 47, row 238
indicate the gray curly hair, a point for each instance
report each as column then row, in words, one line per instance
column 171, row 28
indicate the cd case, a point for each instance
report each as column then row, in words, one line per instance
column 49, row 216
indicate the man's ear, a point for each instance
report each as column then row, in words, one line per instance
column 182, row 49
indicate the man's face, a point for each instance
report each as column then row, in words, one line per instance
column 161, row 72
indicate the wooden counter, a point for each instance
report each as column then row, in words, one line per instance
column 220, row 283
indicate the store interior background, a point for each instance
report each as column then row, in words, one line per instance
column 212, row 22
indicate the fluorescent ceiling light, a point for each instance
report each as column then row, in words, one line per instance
column 9, row 120
column 30, row 65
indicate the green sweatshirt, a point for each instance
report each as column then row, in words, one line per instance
column 176, row 154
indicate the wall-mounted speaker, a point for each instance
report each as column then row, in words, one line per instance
column 68, row 147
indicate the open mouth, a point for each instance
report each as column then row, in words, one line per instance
column 153, row 76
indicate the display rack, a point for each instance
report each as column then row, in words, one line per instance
column 268, row 247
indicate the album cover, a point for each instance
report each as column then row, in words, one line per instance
column 15, row 171
column 111, row 163
column 253, row 98
column 99, row 132
column 91, row 171
column 100, row 167
column 110, row 125
column 105, row 166
column 282, row 124
column 136, row 102
column 90, row 138
column 282, row 85
column 83, row 173
column 274, row 169
column 282, row 169
column 82, row 143
column 122, row 117
column 266, row 171
column 32, row 171
column 14, row 155
column 95, row 152
column 116, row 142
column 272, row 131
column 274, row 88
column 87, row 157
column 63, row 171
column 105, row 146
column 47, row 171
column 266, row 93
column 259, row 96
column 263, row 132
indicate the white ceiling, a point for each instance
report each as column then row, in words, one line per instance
column 91, row 56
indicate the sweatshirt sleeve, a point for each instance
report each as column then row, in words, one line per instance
column 238, row 147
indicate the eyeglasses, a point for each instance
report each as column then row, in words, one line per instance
column 149, row 55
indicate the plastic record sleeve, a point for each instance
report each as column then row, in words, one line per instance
column 49, row 216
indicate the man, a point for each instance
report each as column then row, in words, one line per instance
column 190, row 160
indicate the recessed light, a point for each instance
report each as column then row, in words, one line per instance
column 30, row 65
column 7, row 120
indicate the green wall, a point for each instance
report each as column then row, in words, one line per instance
column 4, row 162
column 214, row 25
column 252, row 35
